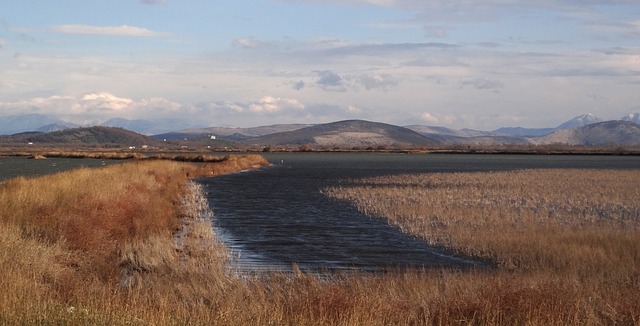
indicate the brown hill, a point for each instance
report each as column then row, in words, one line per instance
column 347, row 134
column 91, row 136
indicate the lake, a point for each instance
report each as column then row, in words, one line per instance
column 277, row 217
column 11, row 167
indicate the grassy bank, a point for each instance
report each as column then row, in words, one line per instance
column 131, row 244
column 119, row 155
column 97, row 237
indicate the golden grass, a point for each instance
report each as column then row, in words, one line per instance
column 558, row 236
column 97, row 247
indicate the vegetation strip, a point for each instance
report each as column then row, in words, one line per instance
column 131, row 244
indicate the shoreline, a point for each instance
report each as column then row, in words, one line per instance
column 214, row 155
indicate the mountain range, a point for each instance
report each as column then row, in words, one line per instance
column 584, row 130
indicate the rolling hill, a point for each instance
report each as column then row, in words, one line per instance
column 82, row 137
column 231, row 133
column 347, row 134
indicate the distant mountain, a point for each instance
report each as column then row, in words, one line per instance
column 139, row 126
column 519, row 132
column 231, row 133
column 433, row 130
column 102, row 136
column 579, row 121
column 633, row 117
column 523, row 132
column 14, row 124
column 146, row 127
column 58, row 126
column 616, row 132
column 586, row 130
column 347, row 134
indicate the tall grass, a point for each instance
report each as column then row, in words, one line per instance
column 96, row 247
column 557, row 235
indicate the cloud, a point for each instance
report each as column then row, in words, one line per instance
column 298, row 85
column 428, row 117
column 354, row 109
column 371, row 82
column 270, row 109
column 330, row 81
column 435, row 31
column 377, row 49
column 607, row 29
column 482, row 84
column 93, row 107
column 107, row 101
column 122, row 30
column 247, row 43
column 270, row 104
column 445, row 119
column 152, row 2
column 2, row 43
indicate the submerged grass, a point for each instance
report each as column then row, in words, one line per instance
column 133, row 244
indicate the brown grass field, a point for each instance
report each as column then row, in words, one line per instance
column 131, row 244
column 566, row 242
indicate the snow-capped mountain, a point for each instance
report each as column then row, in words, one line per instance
column 608, row 133
column 580, row 121
column 633, row 117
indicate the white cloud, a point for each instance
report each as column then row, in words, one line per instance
column 152, row 2
column 2, row 43
column 107, row 101
column 353, row 109
column 378, row 81
column 270, row 104
column 482, row 84
column 428, row 117
column 93, row 107
column 247, row 43
column 122, row 30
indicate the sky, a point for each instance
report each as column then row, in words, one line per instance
column 479, row 64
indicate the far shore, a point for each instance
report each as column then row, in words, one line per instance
column 214, row 155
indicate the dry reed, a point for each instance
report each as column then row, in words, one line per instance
column 82, row 247
column 558, row 236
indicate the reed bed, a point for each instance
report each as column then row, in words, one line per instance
column 125, row 155
column 94, row 246
column 102, row 155
column 557, row 236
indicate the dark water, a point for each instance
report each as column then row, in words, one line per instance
column 277, row 216
column 11, row 167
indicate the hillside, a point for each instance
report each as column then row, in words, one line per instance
column 443, row 131
column 92, row 136
column 347, row 134
column 230, row 133
column 619, row 133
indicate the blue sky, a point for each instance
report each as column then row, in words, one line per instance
column 457, row 63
